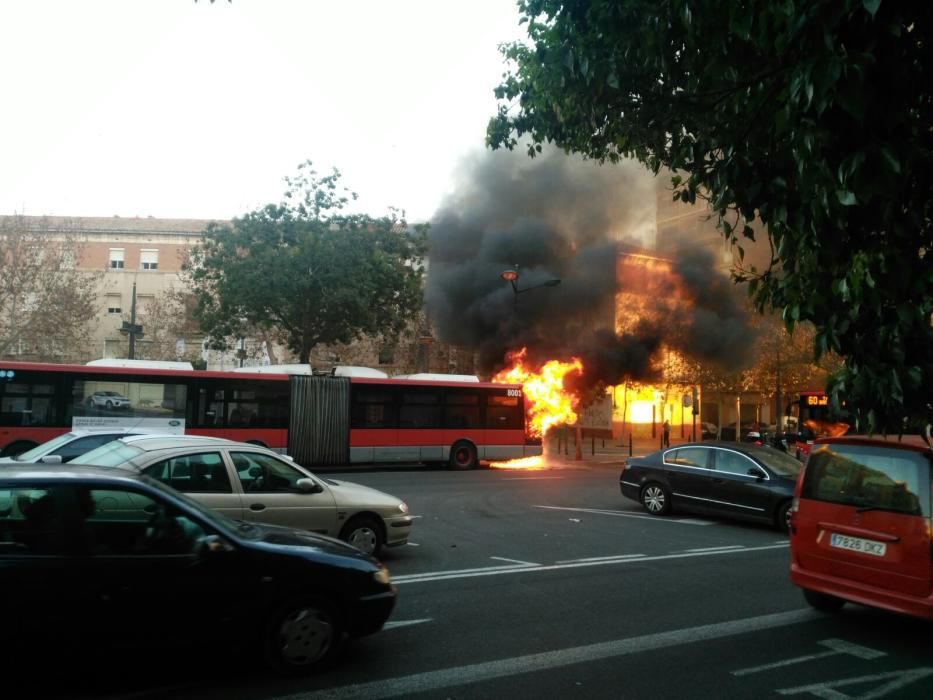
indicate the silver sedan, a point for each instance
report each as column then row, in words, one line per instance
column 249, row 482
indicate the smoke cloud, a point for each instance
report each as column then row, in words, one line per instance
column 561, row 217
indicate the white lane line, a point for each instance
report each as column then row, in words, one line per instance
column 836, row 646
column 714, row 549
column 405, row 623
column 498, row 570
column 413, row 544
column 547, row 661
column 615, row 557
column 899, row 679
column 516, row 561
column 415, row 517
column 597, row 511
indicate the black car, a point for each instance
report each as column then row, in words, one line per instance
column 101, row 558
column 737, row 480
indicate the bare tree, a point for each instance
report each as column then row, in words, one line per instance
column 170, row 328
column 47, row 306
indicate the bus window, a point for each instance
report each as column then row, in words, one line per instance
column 27, row 402
column 462, row 410
column 372, row 407
column 504, row 412
column 421, row 408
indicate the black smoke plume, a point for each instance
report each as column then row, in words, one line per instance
column 560, row 217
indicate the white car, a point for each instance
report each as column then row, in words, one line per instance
column 253, row 483
column 107, row 399
column 67, row 447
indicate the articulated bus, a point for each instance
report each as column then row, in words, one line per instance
column 337, row 419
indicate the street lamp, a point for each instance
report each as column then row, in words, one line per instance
column 511, row 276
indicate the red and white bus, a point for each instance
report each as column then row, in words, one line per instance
column 319, row 420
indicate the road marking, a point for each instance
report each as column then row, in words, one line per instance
column 415, row 517
column 597, row 511
column 615, row 557
column 548, row 661
column 836, row 646
column 516, row 561
column 721, row 548
column 498, row 570
column 413, row 544
column 900, row 679
column 405, row 623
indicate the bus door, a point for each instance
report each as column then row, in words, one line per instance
column 319, row 420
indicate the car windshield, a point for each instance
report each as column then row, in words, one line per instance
column 113, row 454
column 779, row 462
column 46, row 447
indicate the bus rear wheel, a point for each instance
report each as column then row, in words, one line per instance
column 463, row 456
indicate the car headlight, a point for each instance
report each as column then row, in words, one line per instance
column 382, row 576
column 403, row 507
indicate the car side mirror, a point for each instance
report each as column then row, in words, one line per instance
column 51, row 459
column 757, row 472
column 308, row 486
column 210, row 545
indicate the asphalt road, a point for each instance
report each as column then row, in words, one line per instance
column 549, row 584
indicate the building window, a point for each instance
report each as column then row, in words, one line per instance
column 387, row 355
column 116, row 258
column 149, row 259
column 113, row 305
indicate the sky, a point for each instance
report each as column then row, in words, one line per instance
column 184, row 109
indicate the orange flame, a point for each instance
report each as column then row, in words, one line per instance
column 520, row 463
column 547, row 403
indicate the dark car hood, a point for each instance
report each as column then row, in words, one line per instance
column 291, row 537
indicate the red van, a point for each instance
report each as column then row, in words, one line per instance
column 861, row 525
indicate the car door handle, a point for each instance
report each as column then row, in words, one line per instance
column 257, row 506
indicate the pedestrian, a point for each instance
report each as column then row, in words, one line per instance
column 667, row 433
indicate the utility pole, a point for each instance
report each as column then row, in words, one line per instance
column 131, row 329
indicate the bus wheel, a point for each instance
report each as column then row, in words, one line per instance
column 16, row 448
column 463, row 456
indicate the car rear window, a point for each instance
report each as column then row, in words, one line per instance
column 869, row 477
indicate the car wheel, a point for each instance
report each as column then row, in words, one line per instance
column 109, row 404
column 303, row 635
column 463, row 456
column 823, row 601
column 656, row 498
column 364, row 533
column 782, row 519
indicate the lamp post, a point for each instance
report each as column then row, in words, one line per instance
column 511, row 276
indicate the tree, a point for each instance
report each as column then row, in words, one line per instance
column 46, row 304
column 813, row 117
column 306, row 271
column 167, row 319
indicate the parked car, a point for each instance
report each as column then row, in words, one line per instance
column 253, row 483
column 737, row 480
column 107, row 399
column 861, row 525
column 109, row 558
column 67, row 447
